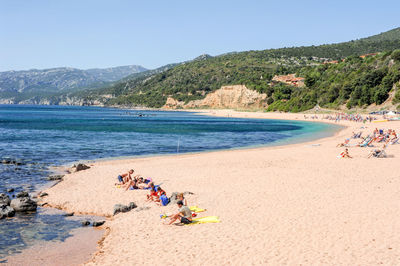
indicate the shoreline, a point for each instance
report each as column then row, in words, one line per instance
column 209, row 112
column 205, row 112
column 113, row 165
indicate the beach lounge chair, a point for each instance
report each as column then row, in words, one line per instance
column 367, row 142
column 379, row 153
column 357, row 135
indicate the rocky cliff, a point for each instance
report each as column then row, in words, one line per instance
column 235, row 96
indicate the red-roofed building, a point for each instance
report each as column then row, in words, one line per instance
column 365, row 55
column 289, row 79
column 331, row 62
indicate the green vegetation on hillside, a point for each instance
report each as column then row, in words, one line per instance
column 353, row 82
column 356, row 82
column 193, row 80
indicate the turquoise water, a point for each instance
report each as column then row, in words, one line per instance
column 38, row 137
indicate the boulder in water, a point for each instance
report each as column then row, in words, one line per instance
column 23, row 203
column 10, row 190
column 6, row 161
column 55, row 177
column 4, row 199
column 85, row 223
column 10, row 161
column 6, row 211
column 98, row 223
column 22, row 194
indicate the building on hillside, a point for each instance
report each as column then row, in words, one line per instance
column 289, row 79
column 365, row 55
column 331, row 62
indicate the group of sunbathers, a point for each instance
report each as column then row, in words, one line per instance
column 379, row 136
column 157, row 194
column 128, row 181
column 349, row 117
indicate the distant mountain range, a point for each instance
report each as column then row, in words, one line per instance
column 20, row 85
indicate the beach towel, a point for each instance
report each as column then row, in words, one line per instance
column 196, row 209
column 205, row 220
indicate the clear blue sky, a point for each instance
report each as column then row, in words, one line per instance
column 87, row 34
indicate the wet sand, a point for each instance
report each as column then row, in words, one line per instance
column 73, row 251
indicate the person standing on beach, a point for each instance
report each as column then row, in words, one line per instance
column 184, row 214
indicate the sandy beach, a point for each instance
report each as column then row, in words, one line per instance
column 291, row 205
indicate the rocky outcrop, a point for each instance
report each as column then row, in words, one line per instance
column 6, row 211
column 78, row 167
column 4, row 199
column 11, row 161
column 98, row 223
column 235, row 97
column 123, row 208
column 85, row 223
column 55, row 177
column 23, row 203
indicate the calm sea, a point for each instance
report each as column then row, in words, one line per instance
column 39, row 137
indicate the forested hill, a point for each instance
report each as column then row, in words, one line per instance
column 385, row 41
column 195, row 79
column 353, row 82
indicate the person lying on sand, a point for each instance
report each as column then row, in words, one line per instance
column 138, row 183
column 345, row 154
column 124, row 178
column 163, row 199
column 161, row 194
column 143, row 183
column 153, row 196
column 160, row 191
column 131, row 184
column 184, row 214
